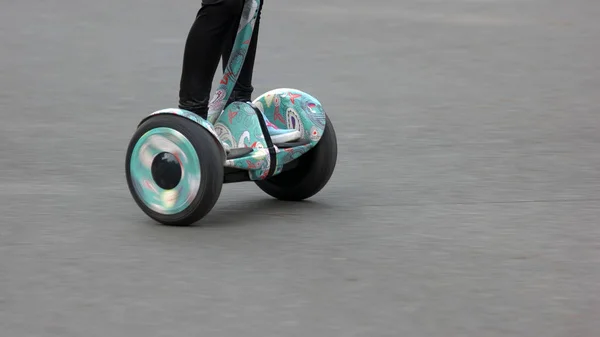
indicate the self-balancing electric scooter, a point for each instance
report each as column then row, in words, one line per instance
column 177, row 162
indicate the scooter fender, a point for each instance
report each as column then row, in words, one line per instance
column 194, row 118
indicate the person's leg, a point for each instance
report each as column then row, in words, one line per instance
column 202, row 52
column 204, row 46
column 243, row 88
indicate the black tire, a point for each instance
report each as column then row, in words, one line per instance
column 211, row 165
column 313, row 172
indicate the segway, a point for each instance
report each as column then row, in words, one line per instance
column 283, row 141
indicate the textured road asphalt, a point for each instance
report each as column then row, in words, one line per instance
column 465, row 202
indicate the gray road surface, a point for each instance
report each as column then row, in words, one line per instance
column 465, row 203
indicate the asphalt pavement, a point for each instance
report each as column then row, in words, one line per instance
column 465, row 201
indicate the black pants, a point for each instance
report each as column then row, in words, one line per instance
column 212, row 37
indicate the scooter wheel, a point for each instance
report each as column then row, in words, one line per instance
column 313, row 172
column 174, row 170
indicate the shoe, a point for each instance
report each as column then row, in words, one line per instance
column 199, row 107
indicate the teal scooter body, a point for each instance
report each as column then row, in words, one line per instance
column 177, row 162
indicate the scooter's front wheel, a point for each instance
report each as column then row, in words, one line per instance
column 174, row 170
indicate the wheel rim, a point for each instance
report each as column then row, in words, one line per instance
column 165, row 170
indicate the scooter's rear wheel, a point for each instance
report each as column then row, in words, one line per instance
column 174, row 170
column 312, row 173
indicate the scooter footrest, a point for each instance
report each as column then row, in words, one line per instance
column 238, row 152
column 292, row 144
